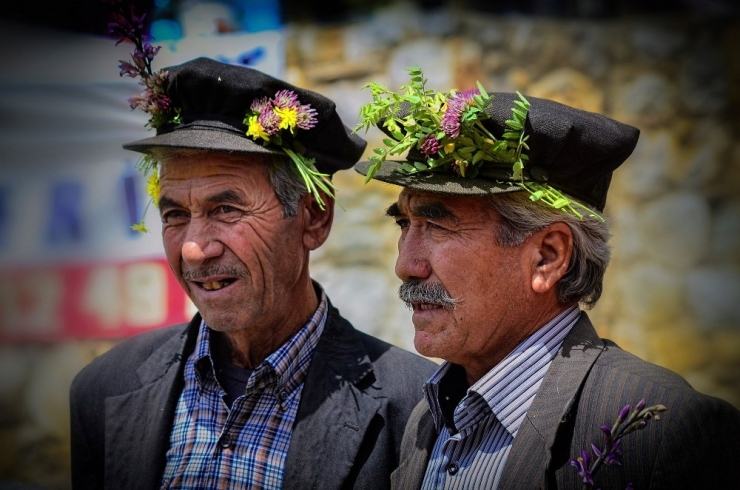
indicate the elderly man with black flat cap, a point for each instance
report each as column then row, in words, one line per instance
column 502, row 242
column 268, row 386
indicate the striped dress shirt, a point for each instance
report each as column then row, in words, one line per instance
column 212, row 446
column 476, row 432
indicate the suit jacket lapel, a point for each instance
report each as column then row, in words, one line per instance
column 531, row 458
column 138, row 424
column 416, row 448
column 334, row 413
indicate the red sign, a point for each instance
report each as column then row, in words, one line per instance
column 104, row 300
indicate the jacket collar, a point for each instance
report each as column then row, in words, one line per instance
column 339, row 400
column 139, row 422
column 530, row 463
column 531, row 458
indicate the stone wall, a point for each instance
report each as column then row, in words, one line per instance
column 673, row 289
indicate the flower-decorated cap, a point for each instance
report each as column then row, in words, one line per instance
column 568, row 149
column 213, row 98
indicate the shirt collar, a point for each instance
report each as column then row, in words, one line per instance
column 286, row 367
column 494, row 392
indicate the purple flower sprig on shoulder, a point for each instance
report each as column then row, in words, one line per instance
column 628, row 421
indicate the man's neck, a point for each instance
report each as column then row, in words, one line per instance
column 474, row 372
column 248, row 347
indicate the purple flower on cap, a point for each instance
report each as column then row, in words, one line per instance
column 430, row 146
column 267, row 117
column 153, row 99
column 284, row 111
column 306, row 116
column 456, row 105
column 285, row 98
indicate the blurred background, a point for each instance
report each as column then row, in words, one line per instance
column 74, row 279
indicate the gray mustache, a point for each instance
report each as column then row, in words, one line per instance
column 415, row 291
column 218, row 270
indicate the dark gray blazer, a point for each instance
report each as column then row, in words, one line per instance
column 358, row 395
column 693, row 446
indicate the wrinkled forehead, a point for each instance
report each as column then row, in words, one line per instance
column 410, row 201
column 408, row 195
column 182, row 156
column 413, row 202
column 201, row 164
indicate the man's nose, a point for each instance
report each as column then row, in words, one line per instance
column 200, row 245
column 413, row 260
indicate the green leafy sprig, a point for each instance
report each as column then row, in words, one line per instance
column 448, row 130
column 424, row 111
column 312, row 178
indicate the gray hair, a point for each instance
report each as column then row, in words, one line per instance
column 521, row 218
column 288, row 186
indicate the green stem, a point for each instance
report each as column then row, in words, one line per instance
column 480, row 126
column 312, row 178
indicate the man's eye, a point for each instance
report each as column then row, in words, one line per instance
column 402, row 223
column 174, row 217
column 228, row 212
column 226, row 209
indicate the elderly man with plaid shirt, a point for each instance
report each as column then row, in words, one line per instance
column 268, row 386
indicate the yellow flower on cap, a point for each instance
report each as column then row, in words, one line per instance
column 288, row 117
column 152, row 187
column 256, row 130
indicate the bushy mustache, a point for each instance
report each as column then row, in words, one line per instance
column 415, row 291
column 216, row 270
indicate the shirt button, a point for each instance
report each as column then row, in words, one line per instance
column 225, row 441
column 453, row 469
column 282, row 396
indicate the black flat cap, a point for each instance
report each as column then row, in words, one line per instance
column 572, row 150
column 214, row 98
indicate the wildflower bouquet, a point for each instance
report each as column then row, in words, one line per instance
column 266, row 120
column 447, row 130
column 153, row 100
column 628, row 421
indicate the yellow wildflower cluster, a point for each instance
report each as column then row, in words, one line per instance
column 255, row 129
column 288, row 117
column 152, row 187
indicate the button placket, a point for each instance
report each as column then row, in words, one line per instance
column 225, row 440
column 282, row 395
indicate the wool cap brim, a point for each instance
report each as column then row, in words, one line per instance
column 436, row 181
column 202, row 135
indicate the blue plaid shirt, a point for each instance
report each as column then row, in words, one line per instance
column 245, row 447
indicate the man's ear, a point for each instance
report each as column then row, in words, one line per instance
column 552, row 248
column 317, row 221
